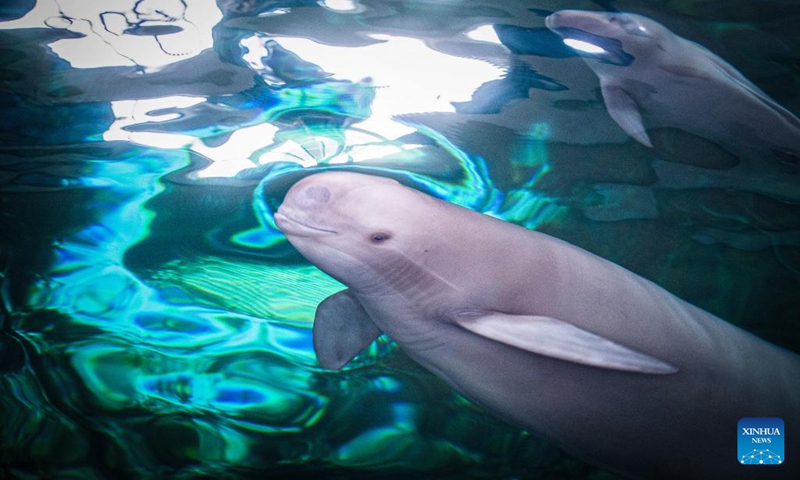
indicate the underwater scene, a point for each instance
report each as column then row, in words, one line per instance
column 156, row 321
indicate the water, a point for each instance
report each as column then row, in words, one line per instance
column 155, row 323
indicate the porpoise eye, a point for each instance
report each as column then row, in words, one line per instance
column 379, row 237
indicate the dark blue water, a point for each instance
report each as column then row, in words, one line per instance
column 156, row 324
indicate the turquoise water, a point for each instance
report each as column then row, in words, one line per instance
column 155, row 323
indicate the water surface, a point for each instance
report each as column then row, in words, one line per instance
column 155, row 323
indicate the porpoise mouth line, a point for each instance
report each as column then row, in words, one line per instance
column 280, row 216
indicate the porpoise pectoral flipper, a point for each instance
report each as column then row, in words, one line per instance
column 342, row 329
column 625, row 111
column 558, row 339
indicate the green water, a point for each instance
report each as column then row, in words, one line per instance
column 156, row 324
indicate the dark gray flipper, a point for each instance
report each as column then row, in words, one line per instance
column 342, row 328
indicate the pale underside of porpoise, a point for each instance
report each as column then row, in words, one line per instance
column 646, row 70
column 544, row 335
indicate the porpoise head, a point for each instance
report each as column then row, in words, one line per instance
column 612, row 38
column 353, row 226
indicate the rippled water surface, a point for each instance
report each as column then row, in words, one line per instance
column 155, row 323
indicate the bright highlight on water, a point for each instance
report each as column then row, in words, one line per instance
column 583, row 46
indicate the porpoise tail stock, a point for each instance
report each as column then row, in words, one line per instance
column 544, row 335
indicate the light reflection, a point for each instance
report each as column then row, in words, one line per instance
column 275, row 12
column 484, row 33
column 145, row 33
column 255, row 49
column 583, row 46
column 234, row 155
column 345, row 6
column 141, row 349
column 409, row 76
column 261, row 143
column 364, row 88
column 134, row 112
column 239, row 287
column 305, row 151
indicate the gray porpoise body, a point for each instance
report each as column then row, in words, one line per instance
column 544, row 335
column 678, row 83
